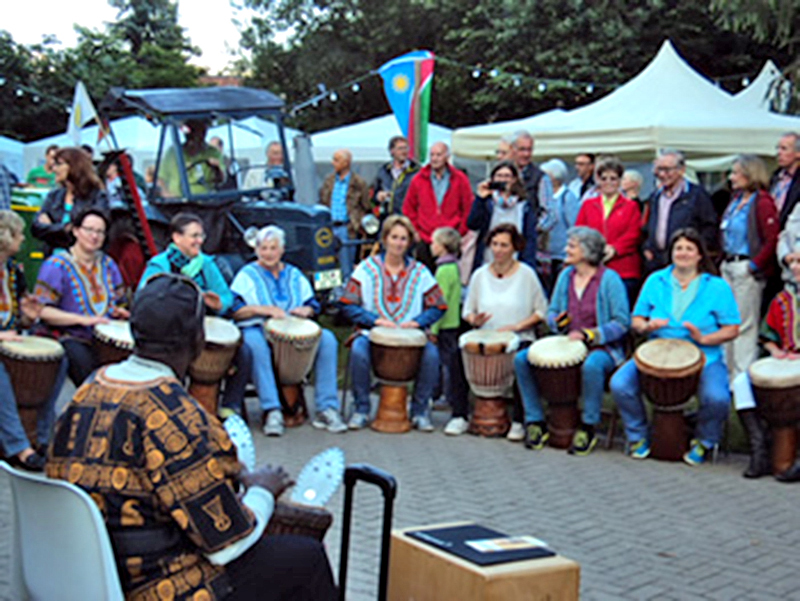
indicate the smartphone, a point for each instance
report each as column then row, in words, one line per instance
column 497, row 186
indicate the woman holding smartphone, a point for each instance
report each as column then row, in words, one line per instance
column 501, row 199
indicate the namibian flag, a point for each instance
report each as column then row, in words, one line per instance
column 407, row 82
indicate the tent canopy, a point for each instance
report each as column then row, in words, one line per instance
column 11, row 154
column 368, row 140
column 667, row 105
column 769, row 84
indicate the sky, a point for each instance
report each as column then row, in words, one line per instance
column 208, row 23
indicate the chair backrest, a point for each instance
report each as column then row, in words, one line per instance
column 65, row 549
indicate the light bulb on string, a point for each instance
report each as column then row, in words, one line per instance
column 476, row 73
column 517, row 82
column 542, row 87
column 590, row 88
column 333, row 97
column 20, row 93
column 494, row 73
column 35, row 98
column 2, row 81
column 745, row 82
column 356, row 88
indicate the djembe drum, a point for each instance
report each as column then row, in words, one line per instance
column 669, row 373
column 32, row 365
column 776, row 386
column 294, row 342
column 395, row 354
column 557, row 362
column 489, row 367
column 206, row 372
column 113, row 341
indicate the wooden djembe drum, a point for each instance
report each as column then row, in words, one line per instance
column 557, row 362
column 669, row 373
column 207, row 371
column 489, row 368
column 113, row 341
column 395, row 354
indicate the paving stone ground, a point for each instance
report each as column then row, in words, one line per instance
column 639, row 529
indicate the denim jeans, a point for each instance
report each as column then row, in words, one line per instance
column 347, row 254
column 324, row 368
column 595, row 369
column 715, row 399
column 455, row 384
column 12, row 435
column 361, row 366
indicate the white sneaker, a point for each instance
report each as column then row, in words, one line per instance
column 273, row 426
column 516, row 433
column 358, row 421
column 329, row 420
column 456, row 426
column 422, row 423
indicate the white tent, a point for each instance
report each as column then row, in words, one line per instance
column 667, row 105
column 368, row 140
column 11, row 155
column 770, row 84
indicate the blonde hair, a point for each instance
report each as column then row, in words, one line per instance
column 11, row 224
column 401, row 220
column 449, row 238
column 754, row 169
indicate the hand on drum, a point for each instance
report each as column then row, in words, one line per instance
column 410, row 325
column 385, row 323
column 92, row 320
column 31, row 307
column 779, row 353
column 120, row 313
column 577, row 335
column 306, row 312
column 694, row 332
column 212, row 301
column 274, row 312
column 10, row 335
column 478, row 319
column 510, row 328
column 275, row 480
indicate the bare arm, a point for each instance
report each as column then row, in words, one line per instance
column 58, row 317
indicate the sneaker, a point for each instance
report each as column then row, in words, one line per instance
column 536, row 436
column 422, row 423
column 329, row 420
column 640, row 449
column 358, row 421
column 696, row 454
column 273, row 425
column 583, row 441
column 516, row 433
column 456, row 426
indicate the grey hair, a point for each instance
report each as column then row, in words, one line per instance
column 671, row 152
column 508, row 139
column 555, row 168
column 520, row 135
column 796, row 137
column 591, row 242
column 271, row 232
column 634, row 176
column 11, row 224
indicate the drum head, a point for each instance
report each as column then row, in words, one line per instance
column 241, row 436
column 117, row 332
column 775, row 373
column 397, row 336
column 32, row 347
column 668, row 354
column 221, row 331
column 556, row 351
column 474, row 340
column 292, row 326
column 319, row 478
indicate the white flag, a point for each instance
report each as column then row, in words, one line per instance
column 83, row 112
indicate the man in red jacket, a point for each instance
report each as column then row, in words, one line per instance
column 439, row 196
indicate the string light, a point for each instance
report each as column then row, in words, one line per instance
column 356, row 88
column 745, row 81
column 542, row 87
column 590, row 88
column 334, row 96
column 494, row 73
column 476, row 73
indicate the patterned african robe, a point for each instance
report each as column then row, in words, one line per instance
column 257, row 286
column 151, row 458
column 12, row 289
column 782, row 324
column 68, row 285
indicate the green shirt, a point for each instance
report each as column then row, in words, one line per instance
column 449, row 280
column 39, row 177
column 199, row 173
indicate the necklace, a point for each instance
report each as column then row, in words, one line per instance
column 500, row 274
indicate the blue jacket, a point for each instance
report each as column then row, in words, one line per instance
column 480, row 216
column 613, row 310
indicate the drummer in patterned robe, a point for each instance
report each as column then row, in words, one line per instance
column 81, row 287
column 393, row 290
column 589, row 304
column 274, row 289
column 184, row 256
column 186, row 520
column 683, row 301
column 18, row 310
column 780, row 337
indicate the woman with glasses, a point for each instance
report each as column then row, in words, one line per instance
column 81, row 287
column 619, row 220
column 79, row 187
column 184, row 256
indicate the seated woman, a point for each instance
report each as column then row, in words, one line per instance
column 81, row 287
column 686, row 301
column 589, row 303
column 393, row 290
column 184, row 256
column 506, row 295
column 79, row 188
column 502, row 200
column 781, row 340
column 272, row 288
column 18, row 310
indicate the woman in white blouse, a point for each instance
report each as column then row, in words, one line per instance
column 506, row 295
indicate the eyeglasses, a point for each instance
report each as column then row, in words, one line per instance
column 96, row 232
column 608, row 178
column 664, row 169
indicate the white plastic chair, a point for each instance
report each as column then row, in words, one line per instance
column 62, row 540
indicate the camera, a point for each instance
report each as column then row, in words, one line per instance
column 500, row 186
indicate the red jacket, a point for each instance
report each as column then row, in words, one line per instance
column 622, row 230
column 421, row 208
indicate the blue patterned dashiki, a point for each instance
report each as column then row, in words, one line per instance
column 257, row 286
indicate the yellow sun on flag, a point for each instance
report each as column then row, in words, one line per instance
column 400, row 83
column 76, row 117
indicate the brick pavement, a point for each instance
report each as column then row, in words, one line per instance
column 640, row 530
